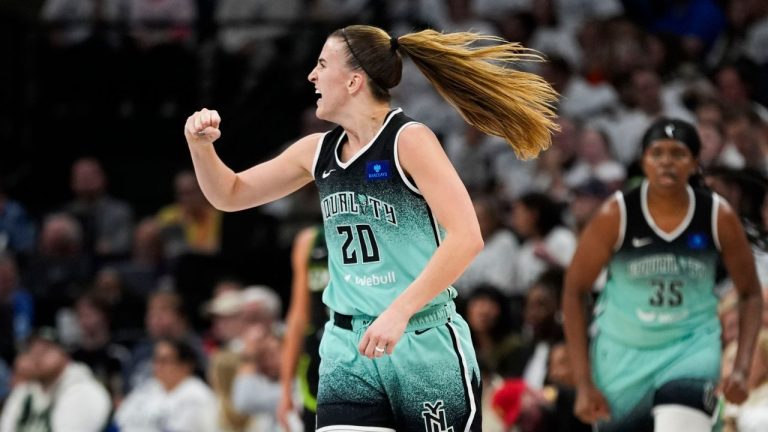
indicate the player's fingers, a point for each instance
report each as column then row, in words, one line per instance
column 210, row 133
column 197, row 122
column 602, row 412
column 215, row 118
column 188, row 126
column 363, row 345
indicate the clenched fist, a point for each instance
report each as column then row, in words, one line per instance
column 202, row 127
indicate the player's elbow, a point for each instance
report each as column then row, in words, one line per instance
column 474, row 242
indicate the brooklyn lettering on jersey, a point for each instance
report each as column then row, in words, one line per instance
column 668, row 264
column 354, row 203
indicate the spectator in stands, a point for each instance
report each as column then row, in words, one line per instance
column 95, row 347
column 712, row 143
column 107, row 222
column 16, row 309
column 542, row 328
column 595, row 160
column 586, row 200
column 257, row 390
column 737, row 83
column 127, row 308
column 174, row 399
column 492, row 265
column 744, row 130
column 225, row 312
column 580, row 98
column 59, row 270
column 17, row 229
column 143, row 271
column 222, row 369
column 547, row 243
column 62, row 396
column 165, row 318
column 491, row 322
column 190, row 224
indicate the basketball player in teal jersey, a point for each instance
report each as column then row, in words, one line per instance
column 655, row 361
column 399, row 225
column 307, row 316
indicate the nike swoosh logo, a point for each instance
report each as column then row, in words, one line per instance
column 327, row 173
column 418, row 332
column 640, row 242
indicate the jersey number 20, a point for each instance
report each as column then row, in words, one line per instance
column 366, row 244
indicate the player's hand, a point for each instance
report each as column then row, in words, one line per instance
column 284, row 409
column 202, row 127
column 735, row 387
column 590, row 404
column 383, row 334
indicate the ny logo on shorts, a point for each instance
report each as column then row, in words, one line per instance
column 434, row 417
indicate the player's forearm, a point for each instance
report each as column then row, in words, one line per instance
column 292, row 345
column 750, row 310
column 216, row 180
column 446, row 265
column 575, row 328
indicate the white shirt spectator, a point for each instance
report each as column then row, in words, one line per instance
column 492, row 265
column 77, row 402
column 560, row 243
column 258, row 396
column 582, row 100
column 150, row 408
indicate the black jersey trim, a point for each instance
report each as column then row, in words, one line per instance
column 434, row 225
column 317, row 153
column 362, row 151
column 413, row 188
column 667, row 236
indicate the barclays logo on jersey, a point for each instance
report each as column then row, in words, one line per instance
column 698, row 241
column 377, row 170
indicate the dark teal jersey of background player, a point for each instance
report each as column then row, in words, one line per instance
column 317, row 280
column 379, row 230
column 661, row 285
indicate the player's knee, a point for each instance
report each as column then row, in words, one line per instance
column 676, row 418
column 698, row 394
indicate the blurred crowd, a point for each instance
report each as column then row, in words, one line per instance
column 125, row 295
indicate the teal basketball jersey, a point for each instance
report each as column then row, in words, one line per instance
column 661, row 285
column 379, row 230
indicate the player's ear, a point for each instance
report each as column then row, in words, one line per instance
column 355, row 82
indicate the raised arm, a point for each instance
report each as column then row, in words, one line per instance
column 593, row 252
column 260, row 184
column 740, row 263
column 423, row 158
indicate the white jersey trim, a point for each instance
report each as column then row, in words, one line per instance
column 467, row 378
column 622, row 220
column 668, row 236
column 350, row 428
column 317, row 153
column 345, row 165
column 715, row 212
column 400, row 170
